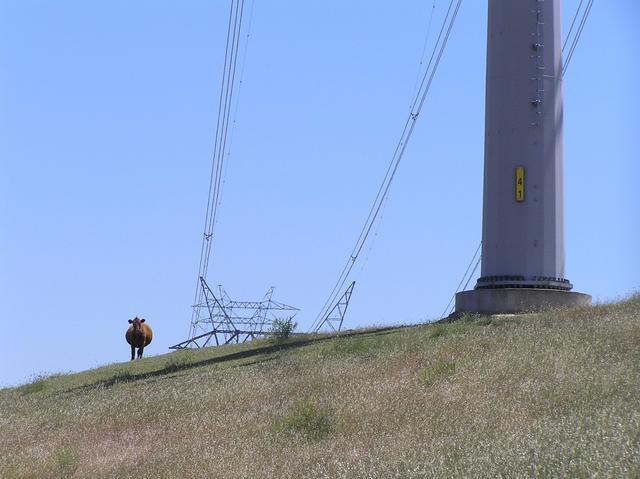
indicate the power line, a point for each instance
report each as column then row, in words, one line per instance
column 573, row 22
column 224, row 131
column 237, row 104
column 424, row 47
column 225, row 102
column 576, row 37
column 383, row 191
column 464, row 276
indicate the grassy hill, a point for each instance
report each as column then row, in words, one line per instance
column 553, row 394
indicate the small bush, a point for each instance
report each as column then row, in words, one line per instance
column 348, row 347
column 437, row 372
column 178, row 361
column 306, row 420
column 458, row 327
column 38, row 384
column 281, row 328
column 484, row 322
column 438, row 330
column 472, row 318
column 64, row 462
column 119, row 377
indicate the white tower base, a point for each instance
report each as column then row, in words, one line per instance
column 517, row 300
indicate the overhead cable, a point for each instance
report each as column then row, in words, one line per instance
column 576, row 37
column 573, row 23
column 225, row 102
column 466, row 276
column 383, row 191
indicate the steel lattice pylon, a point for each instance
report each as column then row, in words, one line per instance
column 220, row 318
column 337, row 313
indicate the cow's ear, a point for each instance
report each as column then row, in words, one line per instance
column 130, row 321
column 142, row 320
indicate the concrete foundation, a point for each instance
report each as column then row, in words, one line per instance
column 517, row 300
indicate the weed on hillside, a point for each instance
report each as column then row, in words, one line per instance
column 37, row 385
column 304, row 419
column 439, row 371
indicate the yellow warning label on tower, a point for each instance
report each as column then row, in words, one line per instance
column 519, row 184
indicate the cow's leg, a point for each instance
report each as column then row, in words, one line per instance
column 140, row 352
column 133, row 353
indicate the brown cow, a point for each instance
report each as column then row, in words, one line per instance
column 138, row 336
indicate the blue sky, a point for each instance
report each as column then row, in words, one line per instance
column 107, row 119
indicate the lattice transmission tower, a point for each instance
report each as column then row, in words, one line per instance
column 224, row 320
column 335, row 317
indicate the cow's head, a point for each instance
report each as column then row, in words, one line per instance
column 136, row 323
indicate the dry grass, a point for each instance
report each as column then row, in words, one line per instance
column 554, row 394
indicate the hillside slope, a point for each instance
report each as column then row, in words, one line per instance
column 553, row 394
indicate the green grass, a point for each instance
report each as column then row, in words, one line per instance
column 439, row 371
column 37, row 385
column 306, row 420
column 64, row 463
column 554, row 394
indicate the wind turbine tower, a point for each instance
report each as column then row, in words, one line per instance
column 522, row 223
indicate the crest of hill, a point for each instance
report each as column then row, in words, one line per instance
column 553, row 394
